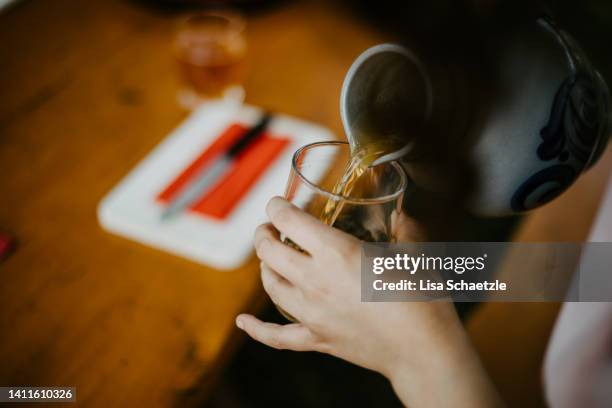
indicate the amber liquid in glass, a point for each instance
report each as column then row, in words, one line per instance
column 210, row 51
column 363, row 156
column 360, row 160
column 214, row 78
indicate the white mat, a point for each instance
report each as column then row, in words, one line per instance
column 130, row 209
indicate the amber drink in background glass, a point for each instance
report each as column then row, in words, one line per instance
column 210, row 49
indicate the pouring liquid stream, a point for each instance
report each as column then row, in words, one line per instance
column 362, row 157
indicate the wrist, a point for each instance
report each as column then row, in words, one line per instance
column 438, row 351
column 443, row 368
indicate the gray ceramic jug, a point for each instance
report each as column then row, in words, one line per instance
column 546, row 121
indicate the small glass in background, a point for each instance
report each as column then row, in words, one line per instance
column 210, row 49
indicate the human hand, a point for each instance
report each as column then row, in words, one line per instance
column 321, row 289
column 410, row 342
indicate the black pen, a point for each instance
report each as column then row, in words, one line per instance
column 213, row 172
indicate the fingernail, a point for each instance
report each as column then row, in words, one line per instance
column 263, row 244
column 239, row 323
column 275, row 203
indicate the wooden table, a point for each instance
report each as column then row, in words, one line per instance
column 86, row 90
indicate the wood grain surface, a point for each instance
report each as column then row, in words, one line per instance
column 86, row 90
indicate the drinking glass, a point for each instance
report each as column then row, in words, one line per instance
column 366, row 212
column 210, row 48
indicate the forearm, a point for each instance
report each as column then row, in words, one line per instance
column 448, row 372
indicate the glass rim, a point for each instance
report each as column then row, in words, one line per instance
column 352, row 200
column 235, row 20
